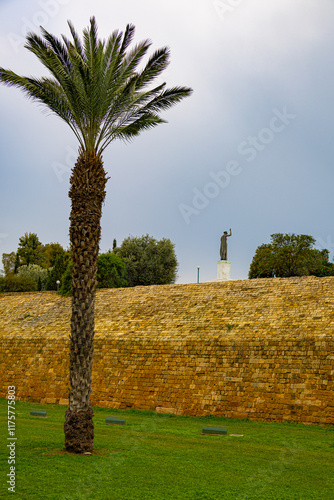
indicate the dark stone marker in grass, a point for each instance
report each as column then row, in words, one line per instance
column 214, row 430
column 38, row 413
column 115, row 421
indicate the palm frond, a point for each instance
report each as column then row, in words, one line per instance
column 55, row 46
column 157, row 63
column 77, row 41
column 131, row 61
column 48, row 57
column 168, row 98
column 95, row 85
column 127, row 39
column 45, row 91
column 128, row 131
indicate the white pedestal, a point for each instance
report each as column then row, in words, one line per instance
column 223, row 270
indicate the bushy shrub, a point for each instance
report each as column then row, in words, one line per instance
column 148, row 261
column 111, row 271
column 290, row 255
column 36, row 273
column 66, row 280
column 15, row 283
column 57, row 271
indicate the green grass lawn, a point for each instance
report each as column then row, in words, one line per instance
column 159, row 457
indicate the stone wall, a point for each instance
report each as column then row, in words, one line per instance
column 262, row 349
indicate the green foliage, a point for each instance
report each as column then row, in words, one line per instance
column 111, row 271
column 293, row 254
column 66, row 280
column 15, row 283
column 51, row 256
column 44, row 264
column 37, row 273
column 17, row 263
column 8, row 262
column 148, row 261
column 289, row 255
column 262, row 265
column 51, row 252
column 57, row 271
column 30, row 250
column 322, row 266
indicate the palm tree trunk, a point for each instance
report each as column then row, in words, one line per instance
column 87, row 193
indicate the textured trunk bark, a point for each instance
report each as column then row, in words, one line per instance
column 87, row 194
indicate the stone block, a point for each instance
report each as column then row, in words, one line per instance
column 63, row 401
column 161, row 409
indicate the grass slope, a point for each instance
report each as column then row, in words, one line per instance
column 159, row 457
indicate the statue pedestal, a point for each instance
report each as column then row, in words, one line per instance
column 223, row 270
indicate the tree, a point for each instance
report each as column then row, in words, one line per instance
column 322, row 267
column 36, row 273
column 148, row 261
column 57, row 271
column 286, row 255
column 8, row 262
column 51, row 253
column 15, row 283
column 111, row 271
column 66, row 280
column 17, row 263
column 30, row 250
column 96, row 89
column 262, row 265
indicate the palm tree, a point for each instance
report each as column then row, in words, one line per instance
column 96, row 88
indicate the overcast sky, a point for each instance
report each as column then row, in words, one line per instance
column 252, row 149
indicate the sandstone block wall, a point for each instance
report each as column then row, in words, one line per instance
column 262, row 349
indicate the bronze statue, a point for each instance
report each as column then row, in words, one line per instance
column 223, row 245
